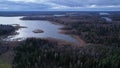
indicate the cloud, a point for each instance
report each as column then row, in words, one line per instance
column 28, row 1
column 58, row 4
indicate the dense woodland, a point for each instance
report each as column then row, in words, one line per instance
column 40, row 53
column 6, row 29
column 92, row 28
column 97, row 33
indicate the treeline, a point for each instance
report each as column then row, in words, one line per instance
column 37, row 18
column 96, row 32
column 40, row 53
column 115, row 16
column 6, row 29
column 108, row 34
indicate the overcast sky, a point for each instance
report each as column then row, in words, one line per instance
column 58, row 5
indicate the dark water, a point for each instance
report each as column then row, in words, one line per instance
column 50, row 30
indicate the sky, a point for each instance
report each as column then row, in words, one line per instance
column 59, row 5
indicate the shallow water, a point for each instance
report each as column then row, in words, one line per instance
column 50, row 30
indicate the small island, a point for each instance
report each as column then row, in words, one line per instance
column 38, row 31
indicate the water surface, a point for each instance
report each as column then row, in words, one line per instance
column 107, row 19
column 50, row 30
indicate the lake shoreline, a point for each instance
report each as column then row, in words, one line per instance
column 62, row 30
column 17, row 27
column 23, row 28
column 68, row 32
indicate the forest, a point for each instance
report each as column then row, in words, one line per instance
column 97, row 33
column 6, row 29
column 40, row 53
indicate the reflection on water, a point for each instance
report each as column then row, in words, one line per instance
column 105, row 16
column 107, row 19
column 50, row 30
column 103, row 13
